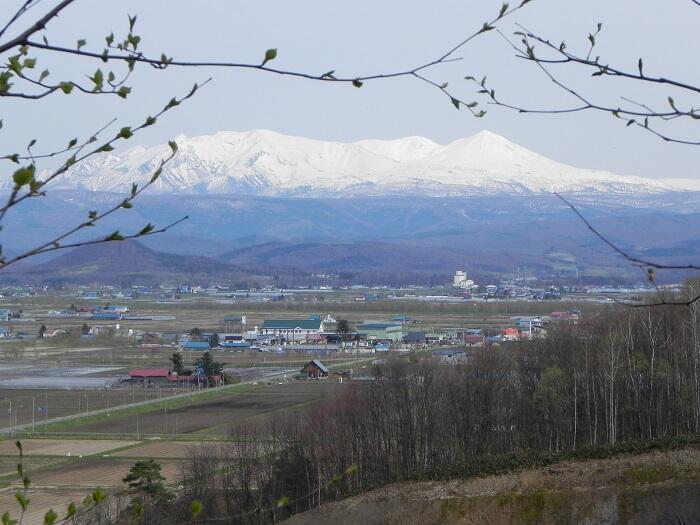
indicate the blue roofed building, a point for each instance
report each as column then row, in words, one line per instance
column 106, row 316
column 195, row 345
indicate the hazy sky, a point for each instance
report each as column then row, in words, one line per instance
column 370, row 36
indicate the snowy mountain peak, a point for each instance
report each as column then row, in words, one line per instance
column 264, row 162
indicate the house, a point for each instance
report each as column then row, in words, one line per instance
column 381, row 331
column 401, row 319
column 5, row 314
column 235, row 323
column 414, row 339
column 510, row 334
column 474, row 340
column 571, row 317
column 292, row 329
column 315, row 369
column 342, row 375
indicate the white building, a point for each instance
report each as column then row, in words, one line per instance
column 460, row 280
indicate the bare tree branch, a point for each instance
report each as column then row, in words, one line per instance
column 644, row 264
column 37, row 26
column 638, row 114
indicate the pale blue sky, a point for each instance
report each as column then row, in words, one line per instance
column 369, row 36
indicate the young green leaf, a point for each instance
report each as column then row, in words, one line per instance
column 146, row 229
column 115, row 236
column 196, row 508
column 6, row 519
column 125, row 133
column 172, row 103
column 22, row 500
column 98, row 80
column 270, row 54
column 50, row 517
column 23, row 176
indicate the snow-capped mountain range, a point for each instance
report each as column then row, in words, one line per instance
column 266, row 163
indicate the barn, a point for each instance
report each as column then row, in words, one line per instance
column 315, row 369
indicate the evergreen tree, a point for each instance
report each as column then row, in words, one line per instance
column 208, row 366
column 195, row 334
column 146, row 482
column 178, row 363
column 343, row 328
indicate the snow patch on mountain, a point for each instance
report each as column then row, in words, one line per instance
column 262, row 162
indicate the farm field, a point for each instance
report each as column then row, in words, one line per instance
column 65, row 468
column 53, row 403
column 41, row 501
column 216, row 417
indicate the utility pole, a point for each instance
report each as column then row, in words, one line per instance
column 32, row 414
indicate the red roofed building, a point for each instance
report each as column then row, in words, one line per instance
column 510, row 334
column 149, row 376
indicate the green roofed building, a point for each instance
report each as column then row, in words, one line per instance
column 382, row 331
column 292, row 329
